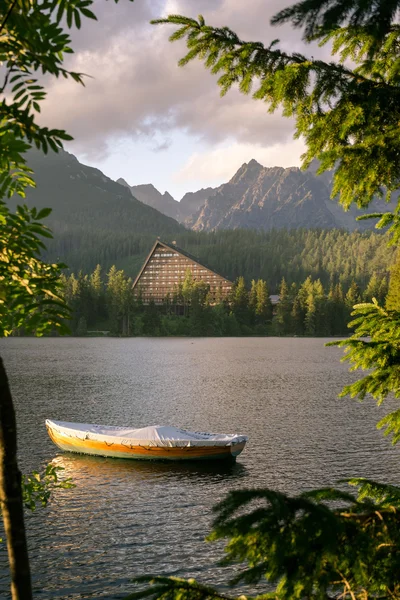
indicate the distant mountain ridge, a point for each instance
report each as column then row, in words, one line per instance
column 261, row 198
column 98, row 221
column 256, row 197
column 149, row 195
column 82, row 196
column 165, row 203
column 268, row 198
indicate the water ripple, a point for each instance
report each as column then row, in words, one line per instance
column 126, row 518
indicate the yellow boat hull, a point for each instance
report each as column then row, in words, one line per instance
column 116, row 450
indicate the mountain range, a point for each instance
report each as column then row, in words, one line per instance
column 260, row 198
column 180, row 210
column 96, row 220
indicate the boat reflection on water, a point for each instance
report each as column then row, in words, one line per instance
column 93, row 470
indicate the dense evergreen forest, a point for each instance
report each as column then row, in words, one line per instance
column 106, row 303
column 333, row 256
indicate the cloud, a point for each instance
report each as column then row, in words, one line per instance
column 137, row 90
column 220, row 163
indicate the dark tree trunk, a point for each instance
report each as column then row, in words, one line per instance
column 11, row 496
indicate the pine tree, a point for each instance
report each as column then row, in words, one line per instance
column 253, row 300
column 383, row 291
column 393, row 297
column 284, row 309
column 322, row 324
column 372, row 289
column 96, row 282
column 353, row 296
column 336, row 311
column 300, row 306
column 310, row 321
column 97, row 294
column 263, row 309
column 187, row 290
column 240, row 301
column 119, row 300
column 297, row 317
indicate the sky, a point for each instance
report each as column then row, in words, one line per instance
column 143, row 118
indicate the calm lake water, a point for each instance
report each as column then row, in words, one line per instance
column 126, row 518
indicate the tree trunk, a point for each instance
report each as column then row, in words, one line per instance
column 11, row 496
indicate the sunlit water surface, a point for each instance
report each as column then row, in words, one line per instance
column 126, row 518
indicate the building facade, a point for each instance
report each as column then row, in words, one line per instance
column 165, row 269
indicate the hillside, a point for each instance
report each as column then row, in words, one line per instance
column 192, row 202
column 96, row 220
column 165, row 203
column 149, row 195
column 82, row 196
column 91, row 213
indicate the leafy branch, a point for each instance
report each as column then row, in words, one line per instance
column 375, row 346
column 318, row 17
column 30, row 289
column 33, row 40
column 169, row 588
column 322, row 544
column 38, row 488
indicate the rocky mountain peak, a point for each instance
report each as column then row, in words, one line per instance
column 122, row 181
column 247, row 171
column 253, row 164
column 168, row 196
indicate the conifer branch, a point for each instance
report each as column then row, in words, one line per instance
column 329, row 101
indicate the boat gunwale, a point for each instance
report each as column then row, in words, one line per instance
column 124, row 441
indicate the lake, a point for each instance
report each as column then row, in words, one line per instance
column 126, row 518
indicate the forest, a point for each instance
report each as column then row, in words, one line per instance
column 333, row 256
column 103, row 302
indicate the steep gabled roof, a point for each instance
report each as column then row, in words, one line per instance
column 174, row 249
column 146, row 262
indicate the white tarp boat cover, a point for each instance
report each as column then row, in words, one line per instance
column 155, row 435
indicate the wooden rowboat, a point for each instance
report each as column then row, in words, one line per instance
column 148, row 443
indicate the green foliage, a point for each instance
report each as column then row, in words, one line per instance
column 33, row 40
column 322, row 544
column 37, row 488
column 284, row 310
column 393, row 296
column 119, row 300
column 323, row 16
column 109, row 305
column 81, row 327
column 353, row 295
column 263, row 307
column 375, row 346
column 375, row 289
column 30, row 289
column 333, row 256
column 240, row 301
column 170, row 588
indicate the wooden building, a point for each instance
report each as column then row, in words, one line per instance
column 166, row 267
